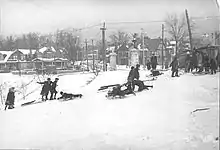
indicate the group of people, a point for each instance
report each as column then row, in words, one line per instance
column 152, row 63
column 49, row 87
column 133, row 79
column 204, row 63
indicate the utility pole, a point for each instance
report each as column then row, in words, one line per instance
column 0, row 20
column 143, row 48
column 189, row 29
column 103, row 46
column 77, row 50
column 87, row 62
column 162, row 44
column 93, row 59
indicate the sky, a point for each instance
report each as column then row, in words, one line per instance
column 23, row 16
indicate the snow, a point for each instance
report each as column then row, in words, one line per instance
column 43, row 49
column 8, row 53
column 27, row 51
column 160, row 118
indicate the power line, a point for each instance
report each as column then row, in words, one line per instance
column 205, row 18
column 80, row 29
column 135, row 22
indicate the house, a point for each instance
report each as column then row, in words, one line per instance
column 122, row 55
column 41, row 63
column 4, row 56
column 20, row 59
column 46, row 52
column 15, row 60
column 48, row 56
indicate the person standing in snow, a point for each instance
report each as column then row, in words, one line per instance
column 130, row 79
column 148, row 65
column 213, row 66
column 206, row 63
column 53, row 91
column 154, row 61
column 174, row 64
column 187, row 62
column 45, row 89
column 194, row 61
column 10, row 99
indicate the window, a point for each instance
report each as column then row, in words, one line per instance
column 14, row 57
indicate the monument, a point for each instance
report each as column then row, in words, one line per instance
column 134, row 53
column 113, row 61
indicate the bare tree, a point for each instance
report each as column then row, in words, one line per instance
column 176, row 26
column 69, row 41
column 119, row 38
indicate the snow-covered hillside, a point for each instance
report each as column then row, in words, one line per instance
column 160, row 118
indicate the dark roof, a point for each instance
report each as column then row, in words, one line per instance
column 152, row 44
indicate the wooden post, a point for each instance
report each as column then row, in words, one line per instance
column 87, row 62
column 189, row 29
column 103, row 46
column 162, row 45
column 93, row 59
column 143, row 59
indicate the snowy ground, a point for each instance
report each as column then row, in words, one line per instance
column 160, row 118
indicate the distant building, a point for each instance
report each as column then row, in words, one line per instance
column 20, row 59
column 122, row 55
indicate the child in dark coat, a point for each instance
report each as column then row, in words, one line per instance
column 69, row 96
column 45, row 89
column 9, row 103
column 53, row 91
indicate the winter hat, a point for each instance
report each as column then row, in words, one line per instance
column 56, row 79
column 11, row 89
column 48, row 79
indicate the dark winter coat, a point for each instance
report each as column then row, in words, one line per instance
column 213, row 64
column 174, row 64
column 46, row 87
column 10, row 98
column 53, row 86
column 136, row 74
column 206, row 61
column 194, row 60
column 148, row 65
column 131, row 75
column 153, row 60
column 188, row 58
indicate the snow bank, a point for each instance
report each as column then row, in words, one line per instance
column 156, row 119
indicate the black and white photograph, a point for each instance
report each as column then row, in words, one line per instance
column 109, row 74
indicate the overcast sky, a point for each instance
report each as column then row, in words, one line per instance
column 22, row 16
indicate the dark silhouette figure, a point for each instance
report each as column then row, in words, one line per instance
column 10, row 99
column 53, row 91
column 154, row 61
column 45, row 89
column 213, row 66
column 174, row 64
